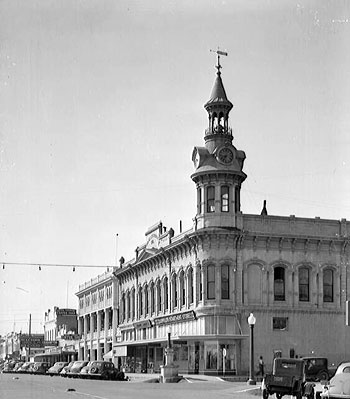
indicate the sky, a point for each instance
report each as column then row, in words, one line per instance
column 101, row 104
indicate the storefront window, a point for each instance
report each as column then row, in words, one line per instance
column 211, row 356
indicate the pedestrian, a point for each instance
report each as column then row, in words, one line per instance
column 261, row 367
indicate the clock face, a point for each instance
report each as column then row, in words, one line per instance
column 225, row 155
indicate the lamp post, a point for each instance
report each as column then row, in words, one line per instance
column 169, row 337
column 251, row 322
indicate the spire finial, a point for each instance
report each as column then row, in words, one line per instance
column 219, row 52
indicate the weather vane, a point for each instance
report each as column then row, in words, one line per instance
column 219, row 52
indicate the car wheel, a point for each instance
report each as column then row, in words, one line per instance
column 279, row 395
column 311, row 394
column 265, row 394
column 323, row 375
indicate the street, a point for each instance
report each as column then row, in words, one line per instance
column 24, row 386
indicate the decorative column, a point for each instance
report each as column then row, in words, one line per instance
column 106, row 349
column 99, row 354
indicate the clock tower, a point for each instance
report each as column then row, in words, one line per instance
column 218, row 165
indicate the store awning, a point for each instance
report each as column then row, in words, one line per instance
column 108, row 355
column 120, row 350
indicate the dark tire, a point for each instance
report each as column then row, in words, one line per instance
column 265, row 394
column 311, row 395
column 322, row 375
column 279, row 395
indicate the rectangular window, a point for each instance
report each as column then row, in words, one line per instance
column 211, row 282
column 199, row 198
column 328, row 286
column 210, row 199
column 237, row 200
column 279, row 323
column 225, row 286
column 304, row 285
column 224, row 199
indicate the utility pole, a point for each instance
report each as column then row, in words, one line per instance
column 30, row 332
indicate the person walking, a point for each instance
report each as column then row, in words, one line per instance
column 261, row 367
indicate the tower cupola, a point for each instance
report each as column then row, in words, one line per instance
column 219, row 165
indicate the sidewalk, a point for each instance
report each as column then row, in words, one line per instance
column 150, row 377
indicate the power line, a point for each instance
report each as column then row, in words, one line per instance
column 38, row 264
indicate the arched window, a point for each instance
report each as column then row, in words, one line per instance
column 225, row 282
column 132, row 304
column 175, row 291
column 211, row 282
column 182, row 289
column 304, row 284
column 328, row 285
column 128, row 305
column 123, row 308
column 145, row 291
column 166, row 294
column 140, row 302
column 152, row 300
column 159, row 297
column 210, row 199
column 224, row 199
column 279, row 284
column 190, row 286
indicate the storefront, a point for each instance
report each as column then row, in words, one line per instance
column 194, row 355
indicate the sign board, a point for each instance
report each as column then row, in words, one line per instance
column 66, row 312
column 175, row 318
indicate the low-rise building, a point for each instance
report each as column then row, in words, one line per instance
column 97, row 317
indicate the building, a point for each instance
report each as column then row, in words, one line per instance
column 197, row 288
column 60, row 335
column 59, row 321
column 97, row 317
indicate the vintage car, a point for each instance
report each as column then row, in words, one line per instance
column 66, row 369
column 339, row 385
column 105, row 371
column 76, row 368
column 287, row 378
column 85, row 370
column 26, row 367
column 40, row 367
column 56, row 368
column 316, row 368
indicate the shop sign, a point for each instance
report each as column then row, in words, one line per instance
column 50, row 343
column 66, row 312
column 175, row 318
column 143, row 324
column 33, row 340
column 70, row 337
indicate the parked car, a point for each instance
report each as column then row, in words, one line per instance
column 339, row 384
column 8, row 367
column 105, row 371
column 17, row 366
column 57, row 368
column 76, row 368
column 316, row 368
column 66, row 369
column 287, row 378
column 40, row 368
column 85, row 370
column 26, row 367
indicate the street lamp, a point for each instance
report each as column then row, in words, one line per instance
column 169, row 337
column 251, row 322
